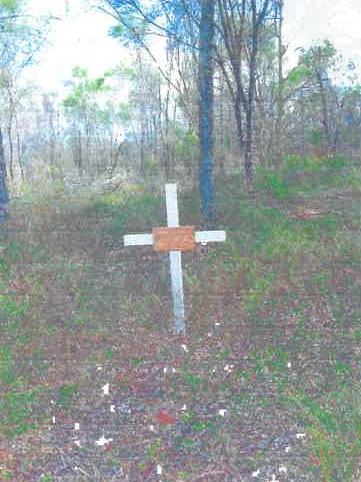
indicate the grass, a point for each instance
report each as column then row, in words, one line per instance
column 307, row 176
column 272, row 343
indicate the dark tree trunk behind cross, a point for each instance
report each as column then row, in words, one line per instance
column 4, row 196
column 206, row 101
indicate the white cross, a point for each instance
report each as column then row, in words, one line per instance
column 175, row 255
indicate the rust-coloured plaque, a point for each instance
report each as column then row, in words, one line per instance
column 174, row 239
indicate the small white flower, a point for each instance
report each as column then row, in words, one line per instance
column 289, row 365
column 184, row 407
column 256, row 473
column 300, row 435
column 209, row 334
column 222, row 412
column 165, row 369
column 185, row 348
column 103, row 441
column 151, row 428
column 52, row 402
column 99, row 368
column 77, row 443
column 174, row 370
column 287, row 449
column 53, row 420
column 112, row 408
column 77, row 426
column 106, row 389
column 159, row 470
column 282, row 470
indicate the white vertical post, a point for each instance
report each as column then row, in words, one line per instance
column 172, row 205
column 175, row 258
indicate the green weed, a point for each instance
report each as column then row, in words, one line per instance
column 16, row 410
column 140, row 211
column 7, row 365
column 7, row 474
column 154, row 451
column 46, row 478
column 66, row 394
column 11, row 309
column 272, row 183
column 335, row 430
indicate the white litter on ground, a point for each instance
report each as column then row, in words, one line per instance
column 106, row 389
column 103, row 441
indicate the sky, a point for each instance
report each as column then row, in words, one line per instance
column 308, row 21
column 80, row 36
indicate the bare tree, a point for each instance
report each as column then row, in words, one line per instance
column 206, row 98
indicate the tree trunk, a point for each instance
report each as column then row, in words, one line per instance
column 248, row 151
column 239, row 121
column 4, row 195
column 248, row 161
column 206, row 101
column 280, row 99
column 11, row 149
column 19, row 149
column 325, row 117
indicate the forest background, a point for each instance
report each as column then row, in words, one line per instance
column 177, row 104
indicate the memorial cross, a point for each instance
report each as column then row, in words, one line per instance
column 174, row 239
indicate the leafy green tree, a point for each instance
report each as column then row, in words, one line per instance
column 95, row 117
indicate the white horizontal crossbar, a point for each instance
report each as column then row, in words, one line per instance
column 138, row 240
column 210, row 236
column 148, row 239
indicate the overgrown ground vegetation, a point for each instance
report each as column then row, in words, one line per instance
column 266, row 381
